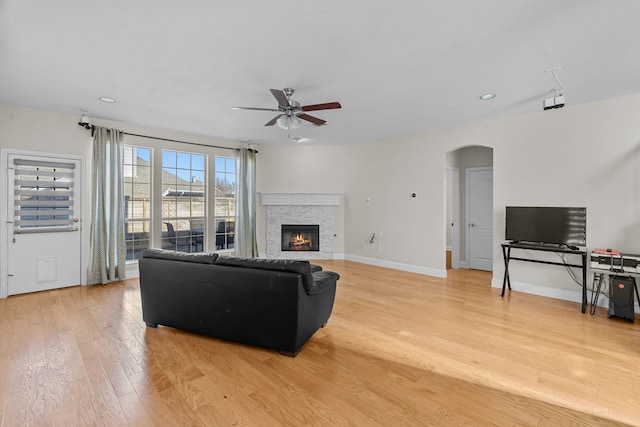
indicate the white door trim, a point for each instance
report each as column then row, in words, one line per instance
column 84, row 224
column 455, row 213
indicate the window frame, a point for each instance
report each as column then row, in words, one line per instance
column 156, row 221
column 133, row 169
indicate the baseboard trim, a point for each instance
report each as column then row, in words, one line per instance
column 131, row 270
column 397, row 266
column 544, row 291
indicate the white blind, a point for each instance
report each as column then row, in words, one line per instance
column 43, row 196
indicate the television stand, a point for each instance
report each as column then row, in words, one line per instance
column 506, row 254
column 534, row 245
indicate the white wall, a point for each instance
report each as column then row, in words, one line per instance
column 37, row 131
column 585, row 155
column 380, row 180
column 42, row 131
column 299, row 168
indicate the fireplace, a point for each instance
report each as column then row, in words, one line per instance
column 300, row 237
column 300, row 208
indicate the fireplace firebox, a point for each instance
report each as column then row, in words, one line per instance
column 300, row 237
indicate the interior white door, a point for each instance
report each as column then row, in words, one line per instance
column 480, row 218
column 43, row 227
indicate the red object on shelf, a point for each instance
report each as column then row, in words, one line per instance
column 606, row 252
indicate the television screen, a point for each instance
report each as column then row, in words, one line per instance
column 538, row 224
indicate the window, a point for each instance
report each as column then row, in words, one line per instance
column 225, row 201
column 183, row 201
column 43, row 196
column 137, row 194
column 170, row 205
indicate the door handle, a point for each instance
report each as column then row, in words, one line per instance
column 473, row 225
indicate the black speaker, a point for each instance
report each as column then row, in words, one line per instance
column 621, row 301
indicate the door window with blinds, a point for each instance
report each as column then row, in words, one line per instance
column 43, row 196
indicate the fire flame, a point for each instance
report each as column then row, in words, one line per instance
column 300, row 243
column 300, row 240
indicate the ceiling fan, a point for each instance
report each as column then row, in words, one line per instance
column 291, row 111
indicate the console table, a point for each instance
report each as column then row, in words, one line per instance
column 506, row 254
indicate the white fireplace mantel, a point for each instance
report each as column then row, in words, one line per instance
column 300, row 199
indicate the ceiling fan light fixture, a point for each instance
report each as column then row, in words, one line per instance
column 288, row 122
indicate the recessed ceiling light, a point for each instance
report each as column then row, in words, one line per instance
column 487, row 96
column 107, row 99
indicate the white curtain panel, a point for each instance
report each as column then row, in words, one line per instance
column 246, row 244
column 107, row 256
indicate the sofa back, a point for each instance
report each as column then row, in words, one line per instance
column 199, row 258
column 275, row 304
column 254, row 306
column 302, row 267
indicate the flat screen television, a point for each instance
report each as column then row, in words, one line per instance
column 547, row 225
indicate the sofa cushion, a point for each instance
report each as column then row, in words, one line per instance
column 200, row 258
column 321, row 279
column 290, row 265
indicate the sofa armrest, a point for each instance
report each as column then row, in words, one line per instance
column 321, row 281
column 315, row 267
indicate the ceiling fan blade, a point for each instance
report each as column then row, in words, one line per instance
column 255, row 109
column 326, row 106
column 314, row 120
column 280, row 97
column 273, row 121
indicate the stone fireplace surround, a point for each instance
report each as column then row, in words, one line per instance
column 300, row 208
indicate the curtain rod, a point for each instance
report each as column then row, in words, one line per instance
column 175, row 140
column 93, row 128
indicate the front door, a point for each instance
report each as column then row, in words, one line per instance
column 480, row 217
column 43, row 227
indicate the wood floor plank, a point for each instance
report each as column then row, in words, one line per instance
column 4, row 384
column 399, row 349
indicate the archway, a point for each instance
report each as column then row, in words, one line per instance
column 458, row 162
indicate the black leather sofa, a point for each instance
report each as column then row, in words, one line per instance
column 276, row 304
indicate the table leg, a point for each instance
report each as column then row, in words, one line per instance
column 506, row 254
column 584, row 282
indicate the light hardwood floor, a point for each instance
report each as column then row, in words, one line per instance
column 400, row 349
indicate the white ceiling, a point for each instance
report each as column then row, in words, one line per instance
column 397, row 67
